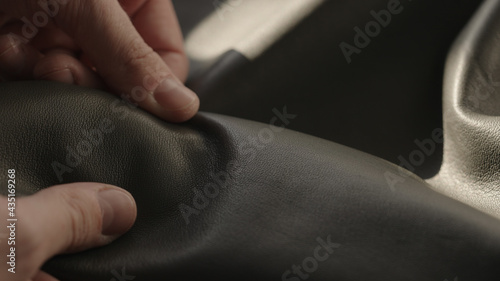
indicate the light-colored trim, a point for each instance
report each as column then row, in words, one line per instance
column 247, row 26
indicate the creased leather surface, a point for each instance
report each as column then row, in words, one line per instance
column 471, row 166
column 388, row 97
column 280, row 198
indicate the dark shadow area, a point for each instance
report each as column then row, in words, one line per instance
column 381, row 103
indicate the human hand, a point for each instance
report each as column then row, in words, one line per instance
column 61, row 219
column 131, row 47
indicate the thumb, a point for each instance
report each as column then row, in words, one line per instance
column 69, row 218
column 122, row 58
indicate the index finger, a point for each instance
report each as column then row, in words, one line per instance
column 157, row 23
column 128, row 65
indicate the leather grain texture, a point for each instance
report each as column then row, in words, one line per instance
column 272, row 197
column 471, row 167
column 380, row 103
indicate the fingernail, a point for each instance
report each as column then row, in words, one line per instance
column 173, row 95
column 118, row 211
column 64, row 76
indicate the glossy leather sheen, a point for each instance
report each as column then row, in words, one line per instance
column 471, row 165
column 264, row 200
column 274, row 198
column 385, row 99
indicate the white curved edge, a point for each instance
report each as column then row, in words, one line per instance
column 247, row 26
column 452, row 179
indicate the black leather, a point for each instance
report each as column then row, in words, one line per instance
column 280, row 199
column 274, row 197
column 380, row 103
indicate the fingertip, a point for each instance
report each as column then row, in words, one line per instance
column 54, row 68
column 183, row 115
column 172, row 95
column 178, row 102
column 64, row 76
column 119, row 211
column 78, row 216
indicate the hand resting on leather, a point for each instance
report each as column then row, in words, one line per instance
column 57, row 220
column 133, row 48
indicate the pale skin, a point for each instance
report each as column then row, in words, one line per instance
column 59, row 220
column 116, row 45
column 126, row 47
